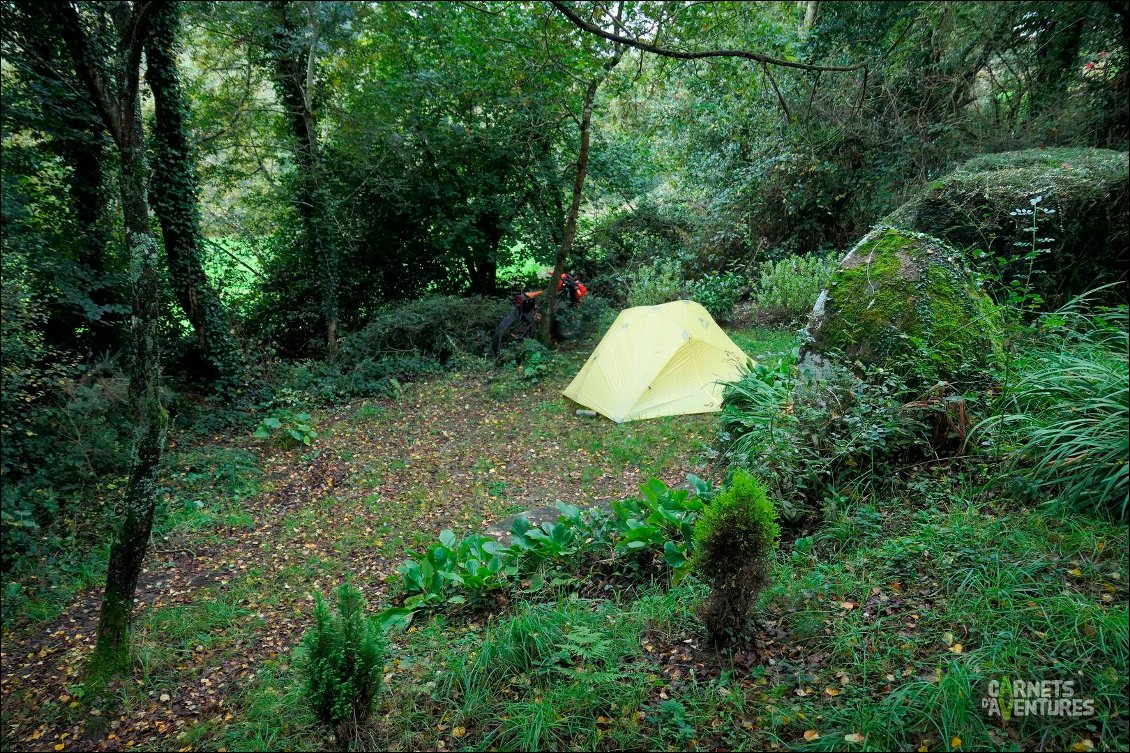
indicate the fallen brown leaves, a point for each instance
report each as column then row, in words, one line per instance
column 445, row 455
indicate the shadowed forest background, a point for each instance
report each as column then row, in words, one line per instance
column 254, row 254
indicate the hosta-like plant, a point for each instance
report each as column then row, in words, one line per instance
column 287, row 428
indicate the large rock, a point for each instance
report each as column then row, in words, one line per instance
column 906, row 302
column 975, row 207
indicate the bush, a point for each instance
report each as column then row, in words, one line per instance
column 436, row 327
column 1086, row 195
column 787, row 289
column 342, row 662
column 804, row 428
column 734, row 541
column 719, row 293
column 650, row 285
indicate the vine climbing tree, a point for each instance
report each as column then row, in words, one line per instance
column 294, row 61
column 112, row 82
column 176, row 201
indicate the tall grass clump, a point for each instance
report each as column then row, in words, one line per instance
column 1065, row 412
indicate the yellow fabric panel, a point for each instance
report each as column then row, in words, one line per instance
column 635, row 348
column 689, row 383
column 655, row 361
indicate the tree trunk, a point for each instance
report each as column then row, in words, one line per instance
column 546, row 333
column 176, row 203
column 809, row 21
column 88, row 194
column 547, row 324
column 135, row 514
column 482, row 267
column 293, row 68
column 116, row 96
column 80, row 143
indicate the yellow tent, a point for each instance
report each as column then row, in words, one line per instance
column 656, row 361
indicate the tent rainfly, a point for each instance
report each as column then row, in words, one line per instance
column 654, row 361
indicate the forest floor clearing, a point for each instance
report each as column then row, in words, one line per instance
column 881, row 627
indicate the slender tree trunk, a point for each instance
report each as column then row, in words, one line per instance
column 546, row 333
column 547, row 324
column 177, row 205
column 483, row 265
column 810, row 7
column 135, row 514
column 114, row 89
column 293, row 68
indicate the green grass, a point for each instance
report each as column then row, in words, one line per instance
column 903, row 608
column 766, row 344
column 938, row 563
column 973, row 594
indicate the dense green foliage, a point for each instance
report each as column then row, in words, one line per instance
column 787, row 289
column 634, row 538
column 342, row 662
column 1079, row 231
column 734, row 542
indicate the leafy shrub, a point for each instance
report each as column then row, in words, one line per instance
column 68, row 440
column 1085, row 208
column 436, row 327
column 473, row 565
column 734, row 541
column 787, row 289
column 662, row 521
column 287, row 428
column 1067, row 410
column 343, row 657
column 719, row 293
column 804, row 428
column 656, row 528
column 652, row 284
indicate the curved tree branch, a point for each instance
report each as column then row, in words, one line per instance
column 639, row 44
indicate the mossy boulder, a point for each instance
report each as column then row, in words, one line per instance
column 907, row 302
column 1088, row 191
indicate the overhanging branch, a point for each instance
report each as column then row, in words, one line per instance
column 639, row 44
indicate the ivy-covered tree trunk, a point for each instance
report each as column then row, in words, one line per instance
column 134, row 516
column 113, row 87
column 293, row 63
column 74, row 132
column 89, row 200
column 176, row 202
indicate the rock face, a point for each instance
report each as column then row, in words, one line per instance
column 906, row 302
column 1088, row 190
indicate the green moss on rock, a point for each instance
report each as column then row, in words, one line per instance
column 1088, row 189
column 907, row 302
